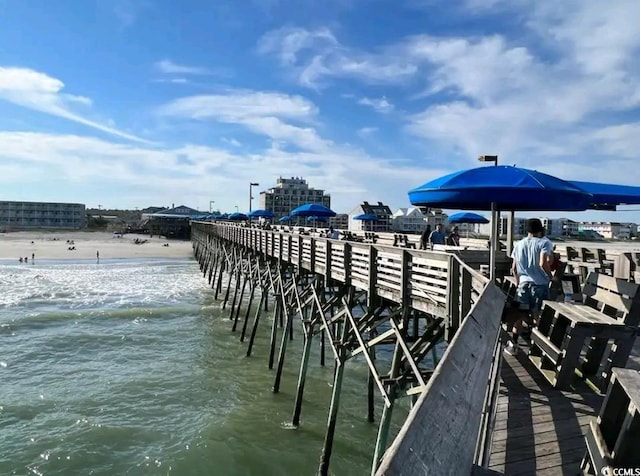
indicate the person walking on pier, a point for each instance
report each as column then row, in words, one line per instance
column 532, row 258
column 453, row 238
column 437, row 236
column 424, row 238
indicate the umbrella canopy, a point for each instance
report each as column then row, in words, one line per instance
column 606, row 195
column 312, row 210
column 467, row 217
column 284, row 219
column 503, row 186
column 261, row 214
column 237, row 216
column 318, row 218
column 366, row 217
column 224, row 216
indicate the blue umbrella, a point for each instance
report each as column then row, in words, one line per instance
column 608, row 196
column 284, row 219
column 311, row 210
column 505, row 187
column 261, row 214
column 501, row 187
column 467, row 217
column 238, row 216
column 366, row 217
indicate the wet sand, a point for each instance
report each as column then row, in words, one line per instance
column 53, row 245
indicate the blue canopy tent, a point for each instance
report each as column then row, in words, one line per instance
column 467, row 217
column 284, row 219
column 261, row 214
column 238, row 216
column 366, row 217
column 312, row 210
column 608, row 196
column 501, row 187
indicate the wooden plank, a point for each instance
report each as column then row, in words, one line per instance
column 439, row 435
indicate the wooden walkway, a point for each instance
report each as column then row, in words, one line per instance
column 540, row 430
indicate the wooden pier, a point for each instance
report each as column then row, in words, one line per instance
column 473, row 411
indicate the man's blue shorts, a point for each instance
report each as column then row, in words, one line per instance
column 530, row 296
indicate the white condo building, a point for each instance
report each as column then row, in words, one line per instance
column 29, row 215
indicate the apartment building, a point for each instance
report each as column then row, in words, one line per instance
column 29, row 215
column 290, row 193
column 408, row 220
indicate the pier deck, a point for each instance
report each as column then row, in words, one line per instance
column 538, row 429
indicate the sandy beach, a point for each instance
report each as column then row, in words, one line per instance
column 55, row 245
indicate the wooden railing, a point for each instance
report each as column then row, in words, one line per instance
column 439, row 283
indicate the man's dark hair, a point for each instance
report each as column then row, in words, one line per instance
column 534, row 226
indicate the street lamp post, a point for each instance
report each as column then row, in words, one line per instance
column 211, row 202
column 251, row 185
column 236, row 208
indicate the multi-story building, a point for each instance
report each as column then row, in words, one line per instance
column 607, row 229
column 26, row 215
column 380, row 210
column 290, row 193
column 408, row 220
column 339, row 222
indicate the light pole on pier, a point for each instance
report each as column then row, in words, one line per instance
column 251, row 185
column 236, row 208
column 211, row 202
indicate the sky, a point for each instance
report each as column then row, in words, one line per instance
column 135, row 103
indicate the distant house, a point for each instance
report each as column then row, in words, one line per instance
column 380, row 210
column 408, row 220
column 172, row 222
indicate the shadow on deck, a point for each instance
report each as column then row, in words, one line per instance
column 539, row 430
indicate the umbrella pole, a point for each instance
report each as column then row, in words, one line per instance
column 510, row 221
column 495, row 231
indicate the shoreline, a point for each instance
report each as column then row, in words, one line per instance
column 85, row 245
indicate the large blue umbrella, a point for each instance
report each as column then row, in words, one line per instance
column 261, row 214
column 238, row 216
column 312, row 210
column 467, row 217
column 608, row 196
column 284, row 219
column 366, row 217
column 501, row 187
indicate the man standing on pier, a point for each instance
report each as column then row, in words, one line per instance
column 532, row 257
column 437, row 236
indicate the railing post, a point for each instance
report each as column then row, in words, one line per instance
column 347, row 264
column 327, row 268
column 300, row 248
column 312, row 255
column 453, row 298
column 373, row 275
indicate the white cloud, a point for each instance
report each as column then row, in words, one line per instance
column 380, row 105
column 314, row 56
column 136, row 175
column 261, row 112
column 365, row 132
column 166, row 66
column 40, row 92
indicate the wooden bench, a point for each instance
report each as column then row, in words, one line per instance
column 370, row 237
column 626, row 265
column 612, row 438
column 588, row 339
column 402, row 241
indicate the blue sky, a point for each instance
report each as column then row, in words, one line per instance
column 129, row 103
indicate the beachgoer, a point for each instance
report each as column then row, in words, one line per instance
column 20, row 259
column 33, row 256
column 531, row 266
column 436, row 237
column 424, row 238
column 98, row 256
column 334, row 234
column 26, row 259
column 453, row 239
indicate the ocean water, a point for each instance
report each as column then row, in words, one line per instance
column 130, row 367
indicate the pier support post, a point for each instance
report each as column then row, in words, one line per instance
column 256, row 319
column 302, row 376
column 237, row 309
column 327, row 448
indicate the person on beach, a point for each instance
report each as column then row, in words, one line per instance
column 437, row 236
column 532, row 257
column 20, row 259
column 453, row 238
column 424, row 238
column 33, row 257
column 98, row 256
